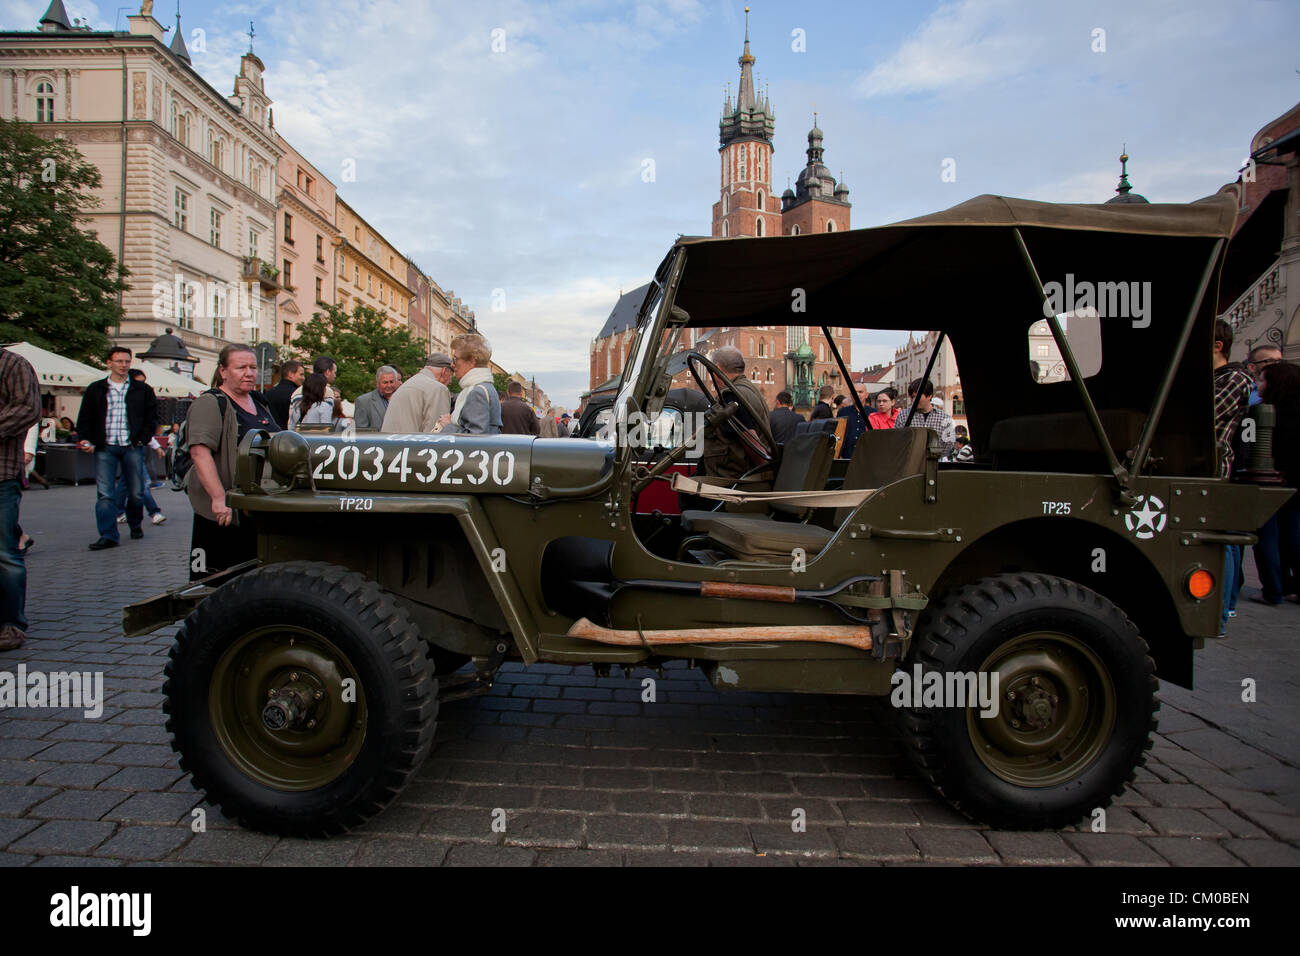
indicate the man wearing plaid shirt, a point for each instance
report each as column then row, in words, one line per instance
column 1232, row 387
column 117, row 419
column 20, row 408
column 927, row 416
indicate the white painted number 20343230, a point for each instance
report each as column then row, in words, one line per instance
column 426, row 465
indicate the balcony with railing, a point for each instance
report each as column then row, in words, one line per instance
column 255, row 270
column 1254, row 300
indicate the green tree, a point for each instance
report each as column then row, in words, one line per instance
column 58, row 283
column 360, row 342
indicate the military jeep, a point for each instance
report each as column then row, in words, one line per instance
column 1077, row 557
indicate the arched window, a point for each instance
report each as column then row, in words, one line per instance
column 257, row 179
column 794, row 230
column 760, row 200
column 758, row 226
column 770, row 379
column 726, row 204
column 725, row 231
column 762, row 348
column 44, row 102
column 958, row 406
column 176, row 122
column 830, row 225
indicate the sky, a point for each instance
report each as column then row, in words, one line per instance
column 503, row 144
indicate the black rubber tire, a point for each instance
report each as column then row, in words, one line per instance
column 968, row 625
column 382, row 646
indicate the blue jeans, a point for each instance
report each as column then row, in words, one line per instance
column 106, row 464
column 146, row 496
column 13, row 569
column 1277, row 554
column 1231, row 581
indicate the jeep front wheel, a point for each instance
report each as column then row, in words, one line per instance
column 1075, row 701
column 299, row 697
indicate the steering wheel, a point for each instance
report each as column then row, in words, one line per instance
column 714, row 417
column 757, row 441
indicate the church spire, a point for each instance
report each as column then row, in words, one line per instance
column 751, row 116
column 1124, row 192
column 55, row 19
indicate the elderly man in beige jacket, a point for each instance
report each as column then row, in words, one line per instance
column 421, row 400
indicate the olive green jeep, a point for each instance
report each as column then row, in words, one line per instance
column 1016, row 608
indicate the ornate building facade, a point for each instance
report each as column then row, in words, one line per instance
column 308, row 243
column 188, row 193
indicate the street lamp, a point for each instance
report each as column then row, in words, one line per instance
column 169, row 351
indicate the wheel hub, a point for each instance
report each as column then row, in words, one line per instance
column 292, row 706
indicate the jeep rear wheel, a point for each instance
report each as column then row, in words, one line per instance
column 299, row 697
column 1075, row 701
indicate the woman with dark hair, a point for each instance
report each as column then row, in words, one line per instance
column 1277, row 555
column 214, row 427
column 316, row 406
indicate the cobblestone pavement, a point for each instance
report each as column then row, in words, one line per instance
column 589, row 775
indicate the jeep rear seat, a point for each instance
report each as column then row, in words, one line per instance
column 882, row 456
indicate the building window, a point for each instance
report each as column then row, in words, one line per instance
column 356, row 233
column 308, row 185
column 288, row 228
column 758, row 226
column 181, row 211
column 257, row 179
column 762, row 348
column 320, row 248
column 219, row 313
column 760, row 200
column 176, row 122
column 320, row 297
column 726, row 203
column 287, row 275
column 725, row 231
column 214, row 228
column 343, row 265
column 184, row 130
column 830, row 225
column 216, row 153
column 958, row 406
column 252, row 243
column 287, row 330
column 794, row 230
column 44, row 102
column 770, row 378
column 356, row 276
column 741, row 155
column 370, row 283
column 185, row 307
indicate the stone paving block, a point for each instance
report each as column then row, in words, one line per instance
column 144, row 842
column 1191, row 851
column 11, row 828
column 691, row 781
column 711, row 835
column 76, row 862
column 548, row 775
column 240, row 847
column 77, row 805
column 569, row 858
column 619, row 832
column 14, row 800
column 841, row 787
column 670, row 760
column 141, row 755
column 139, row 778
column 506, row 796
column 579, row 801
column 882, row 844
column 774, row 838
column 1032, row 849
column 76, row 751
column 1177, row 821
column 396, row 820
column 400, row 853
column 1234, row 823
column 650, row 802
column 23, row 771
column 1178, row 795
column 1284, row 826
column 31, row 728
column 878, row 812
column 64, row 836
column 1250, row 801
column 620, row 779
column 337, row 851
column 19, row 748
column 1113, row 849
column 163, row 808
column 958, row 846
column 734, row 807
column 478, row 855
column 534, row 829
column 461, row 825
column 1262, row 852
column 16, row 859
column 75, row 775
